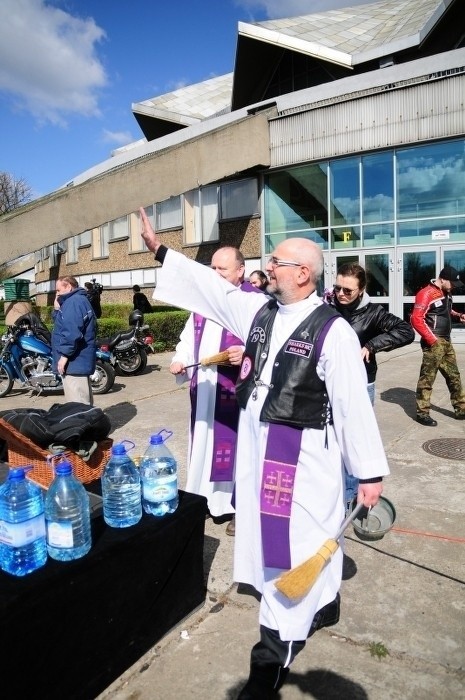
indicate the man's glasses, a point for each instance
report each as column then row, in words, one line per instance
column 277, row 262
column 345, row 290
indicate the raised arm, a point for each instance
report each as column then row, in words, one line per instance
column 152, row 240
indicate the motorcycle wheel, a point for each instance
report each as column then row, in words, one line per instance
column 6, row 382
column 134, row 365
column 103, row 378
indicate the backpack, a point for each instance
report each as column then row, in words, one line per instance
column 63, row 424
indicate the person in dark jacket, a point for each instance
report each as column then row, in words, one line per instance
column 93, row 295
column 140, row 301
column 73, row 340
column 377, row 330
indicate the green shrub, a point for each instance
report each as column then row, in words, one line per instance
column 166, row 324
column 166, row 327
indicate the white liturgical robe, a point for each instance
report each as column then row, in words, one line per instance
column 317, row 501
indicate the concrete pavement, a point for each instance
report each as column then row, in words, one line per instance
column 404, row 597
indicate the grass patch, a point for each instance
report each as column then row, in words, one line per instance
column 378, row 650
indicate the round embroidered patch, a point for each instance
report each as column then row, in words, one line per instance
column 246, row 367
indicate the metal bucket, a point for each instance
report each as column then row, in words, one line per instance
column 375, row 523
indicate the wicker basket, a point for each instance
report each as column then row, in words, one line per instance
column 23, row 452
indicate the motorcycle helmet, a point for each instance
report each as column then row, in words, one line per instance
column 136, row 316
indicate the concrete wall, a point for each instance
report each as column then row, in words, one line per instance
column 221, row 153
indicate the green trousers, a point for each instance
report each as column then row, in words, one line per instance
column 439, row 357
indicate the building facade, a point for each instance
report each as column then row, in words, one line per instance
column 346, row 127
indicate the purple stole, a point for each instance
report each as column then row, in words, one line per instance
column 278, row 478
column 226, row 416
column 279, row 468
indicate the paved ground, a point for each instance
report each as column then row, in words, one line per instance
column 406, row 596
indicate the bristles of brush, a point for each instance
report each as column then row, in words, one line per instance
column 297, row 582
column 219, row 358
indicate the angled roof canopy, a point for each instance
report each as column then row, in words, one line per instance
column 281, row 56
column 189, row 105
column 286, row 55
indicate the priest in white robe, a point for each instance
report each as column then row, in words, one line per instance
column 350, row 435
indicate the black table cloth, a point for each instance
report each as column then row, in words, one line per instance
column 70, row 629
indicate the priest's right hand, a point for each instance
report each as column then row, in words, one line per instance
column 152, row 240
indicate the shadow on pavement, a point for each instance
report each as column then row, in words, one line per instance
column 210, row 545
column 403, row 397
column 120, row 414
column 320, row 684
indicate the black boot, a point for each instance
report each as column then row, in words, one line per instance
column 264, row 682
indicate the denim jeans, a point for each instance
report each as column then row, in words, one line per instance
column 351, row 482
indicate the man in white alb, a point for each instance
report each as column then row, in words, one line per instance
column 303, row 412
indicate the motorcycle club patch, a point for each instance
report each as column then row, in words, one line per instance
column 257, row 335
column 299, row 347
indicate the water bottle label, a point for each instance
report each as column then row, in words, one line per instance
column 60, row 535
column 21, row 534
column 163, row 489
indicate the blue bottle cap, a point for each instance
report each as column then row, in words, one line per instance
column 156, row 439
column 118, row 449
column 17, row 473
column 63, row 468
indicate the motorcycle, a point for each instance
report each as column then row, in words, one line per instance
column 129, row 348
column 26, row 358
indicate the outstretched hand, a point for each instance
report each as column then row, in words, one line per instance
column 152, row 240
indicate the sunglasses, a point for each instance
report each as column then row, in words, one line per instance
column 345, row 290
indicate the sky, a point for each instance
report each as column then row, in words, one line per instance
column 71, row 69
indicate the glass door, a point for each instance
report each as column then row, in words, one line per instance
column 378, row 266
column 416, row 267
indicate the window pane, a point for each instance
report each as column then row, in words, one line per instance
column 168, row 213
column 345, row 191
column 72, row 251
column 319, row 237
column 430, row 180
column 118, row 228
column 346, row 237
column 239, row 198
column 432, row 230
column 296, row 199
column 377, row 270
column 136, row 242
column 209, row 206
column 85, row 239
column 418, row 269
column 100, row 247
column 378, row 235
column 192, row 217
column 378, row 187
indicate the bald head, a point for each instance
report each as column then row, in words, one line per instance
column 229, row 263
column 300, row 269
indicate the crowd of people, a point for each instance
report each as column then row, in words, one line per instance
column 277, row 444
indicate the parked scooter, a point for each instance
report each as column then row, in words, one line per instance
column 26, row 358
column 129, row 348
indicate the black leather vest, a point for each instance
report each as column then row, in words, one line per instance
column 296, row 395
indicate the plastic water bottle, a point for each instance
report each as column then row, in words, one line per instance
column 67, row 516
column 121, row 489
column 23, row 547
column 158, row 471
